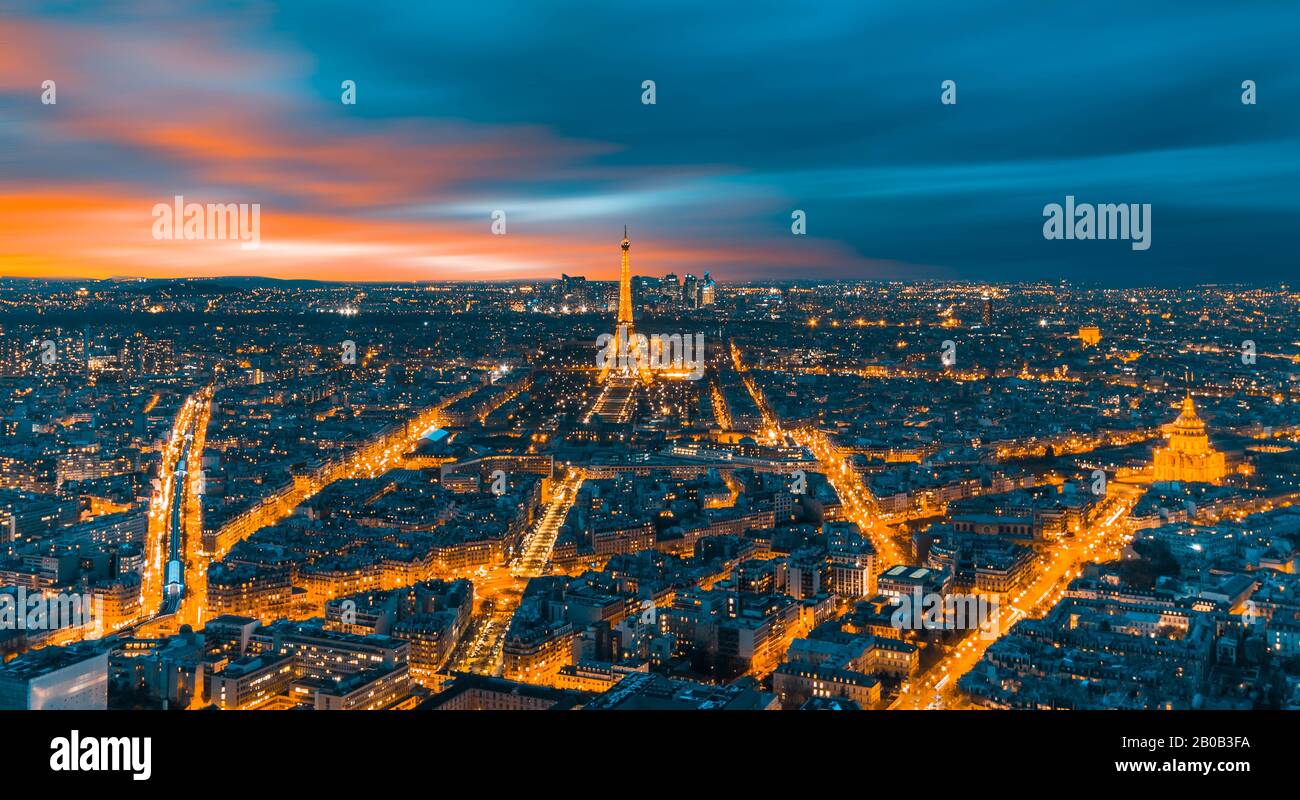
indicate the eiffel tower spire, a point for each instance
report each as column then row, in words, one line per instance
column 625, row 284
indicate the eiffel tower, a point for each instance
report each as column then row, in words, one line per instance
column 627, row 365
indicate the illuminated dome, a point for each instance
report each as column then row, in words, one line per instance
column 1189, row 456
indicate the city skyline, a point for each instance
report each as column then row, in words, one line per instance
column 866, row 496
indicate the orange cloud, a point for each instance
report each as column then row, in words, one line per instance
column 97, row 231
column 354, row 168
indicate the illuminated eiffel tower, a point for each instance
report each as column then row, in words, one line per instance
column 625, row 283
column 626, row 364
column 628, row 356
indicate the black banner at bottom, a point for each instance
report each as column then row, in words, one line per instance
column 336, row 749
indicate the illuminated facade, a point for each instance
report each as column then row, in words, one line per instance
column 535, row 654
column 245, row 590
column 796, row 682
column 118, row 601
column 1189, row 456
column 372, row 690
column 56, row 678
column 251, row 682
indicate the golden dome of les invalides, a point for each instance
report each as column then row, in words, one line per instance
column 1189, row 456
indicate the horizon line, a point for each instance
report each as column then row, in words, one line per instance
column 1281, row 284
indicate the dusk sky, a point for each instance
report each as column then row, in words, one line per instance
column 535, row 108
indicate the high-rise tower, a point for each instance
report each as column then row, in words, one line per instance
column 625, row 284
column 624, row 357
column 629, row 355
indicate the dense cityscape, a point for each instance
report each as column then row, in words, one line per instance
column 652, row 493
